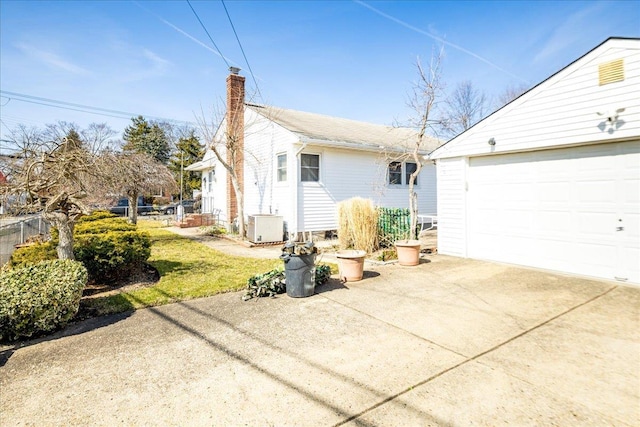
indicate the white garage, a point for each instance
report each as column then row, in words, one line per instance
column 548, row 182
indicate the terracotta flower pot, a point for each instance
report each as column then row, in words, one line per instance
column 408, row 252
column 351, row 264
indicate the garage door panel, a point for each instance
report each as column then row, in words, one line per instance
column 597, row 192
column 591, row 226
column 554, row 192
column 518, row 221
column 558, row 209
column 550, row 223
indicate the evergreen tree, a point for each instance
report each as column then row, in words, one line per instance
column 148, row 138
column 188, row 151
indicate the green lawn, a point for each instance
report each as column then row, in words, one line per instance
column 188, row 270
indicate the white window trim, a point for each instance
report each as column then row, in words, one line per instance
column 404, row 182
column 320, row 174
column 286, row 165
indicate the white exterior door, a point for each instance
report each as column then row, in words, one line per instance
column 575, row 210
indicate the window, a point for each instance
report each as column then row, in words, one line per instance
column 210, row 186
column 410, row 168
column 398, row 169
column 309, row 167
column 395, row 173
column 281, row 168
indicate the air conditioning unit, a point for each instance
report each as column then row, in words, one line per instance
column 265, row 228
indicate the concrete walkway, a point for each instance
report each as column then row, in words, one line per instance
column 450, row 342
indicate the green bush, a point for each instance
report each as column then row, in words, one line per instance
column 106, row 244
column 33, row 254
column 102, row 226
column 112, row 253
column 40, row 297
column 96, row 215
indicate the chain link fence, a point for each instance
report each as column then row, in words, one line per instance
column 16, row 231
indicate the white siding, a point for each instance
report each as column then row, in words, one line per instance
column 560, row 180
column 345, row 174
column 451, row 206
column 264, row 140
column 562, row 110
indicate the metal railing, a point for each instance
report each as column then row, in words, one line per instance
column 18, row 230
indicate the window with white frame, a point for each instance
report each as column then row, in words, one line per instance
column 309, row 167
column 410, row 168
column 395, row 173
column 210, row 186
column 281, row 168
column 400, row 170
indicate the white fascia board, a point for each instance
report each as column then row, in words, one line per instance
column 354, row 146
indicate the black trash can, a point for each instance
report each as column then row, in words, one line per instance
column 300, row 274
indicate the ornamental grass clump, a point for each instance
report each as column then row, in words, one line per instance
column 39, row 298
column 358, row 225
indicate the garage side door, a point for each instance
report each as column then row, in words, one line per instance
column 573, row 210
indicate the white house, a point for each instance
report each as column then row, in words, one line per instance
column 552, row 179
column 300, row 165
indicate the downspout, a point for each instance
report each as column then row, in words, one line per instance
column 296, row 188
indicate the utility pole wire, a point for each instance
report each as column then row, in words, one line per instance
column 241, row 48
column 210, row 38
column 54, row 103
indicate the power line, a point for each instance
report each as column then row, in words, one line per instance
column 210, row 38
column 47, row 102
column 241, row 48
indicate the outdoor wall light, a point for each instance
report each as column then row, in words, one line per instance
column 492, row 141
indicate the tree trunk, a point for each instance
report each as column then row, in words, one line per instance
column 413, row 197
column 133, row 207
column 240, row 204
column 413, row 210
column 65, row 233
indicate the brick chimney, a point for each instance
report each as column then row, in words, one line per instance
column 235, row 135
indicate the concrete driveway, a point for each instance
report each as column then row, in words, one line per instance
column 450, row 342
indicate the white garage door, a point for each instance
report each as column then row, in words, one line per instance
column 574, row 210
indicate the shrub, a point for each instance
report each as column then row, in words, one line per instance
column 102, row 226
column 40, row 297
column 213, row 230
column 107, row 245
column 97, row 215
column 358, row 224
column 33, row 254
column 107, row 255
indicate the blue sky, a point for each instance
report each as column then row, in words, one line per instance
column 343, row 58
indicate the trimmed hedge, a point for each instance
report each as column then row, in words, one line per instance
column 39, row 298
column 33, row 254
column 107, row 245
column 111, row 254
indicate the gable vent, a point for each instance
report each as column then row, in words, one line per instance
column 611, row 72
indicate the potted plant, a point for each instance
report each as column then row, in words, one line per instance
column 351, row 264
column 408, row 251
column 357, row 234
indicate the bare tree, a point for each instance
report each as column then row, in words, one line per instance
column 426, row 95
column 52, row 173
column 510, row 93
column 465, row 107
column 229, row 151
column 134, row 174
